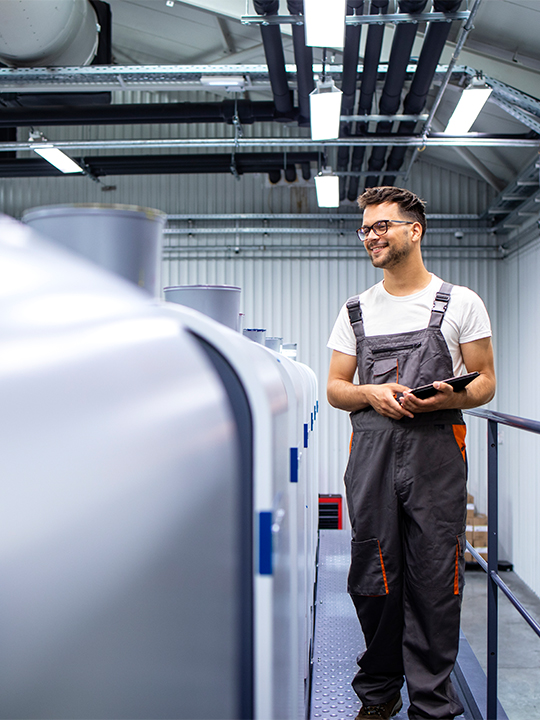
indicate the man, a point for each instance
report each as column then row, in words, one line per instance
column 406, row 476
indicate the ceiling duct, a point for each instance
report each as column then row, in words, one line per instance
column 275, row 60
column 48, row 33
column 247, row 112
column 303, row 57
column 103, row 165
column 372, row 56
column 348, row 86
column 415, row 101
column 395, row 78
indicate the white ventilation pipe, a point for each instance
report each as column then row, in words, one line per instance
column 37, row 33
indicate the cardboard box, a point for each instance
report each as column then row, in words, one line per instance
column 481, row 550
column 470, row 513
column 480, row 536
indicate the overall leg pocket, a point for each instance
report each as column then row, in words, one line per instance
column 367, row 574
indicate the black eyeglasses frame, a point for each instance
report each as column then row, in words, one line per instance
column 364, row 231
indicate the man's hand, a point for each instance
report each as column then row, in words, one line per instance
column 444, row 399
column 345, row 395
column 382, row 398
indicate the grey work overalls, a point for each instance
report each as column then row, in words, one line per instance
column 406, row 494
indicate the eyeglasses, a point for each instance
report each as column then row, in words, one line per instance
column 379, row 228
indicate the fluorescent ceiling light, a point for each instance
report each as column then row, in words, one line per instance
column 324, row 23
column 325, row 111
column 57, row 158
column 231, row 82
column 327, row 187
column 471, row 102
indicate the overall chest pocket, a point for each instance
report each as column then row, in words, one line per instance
column 385, row 370
column 389, row 363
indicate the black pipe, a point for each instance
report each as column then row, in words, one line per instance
column 415, row 100
column 275, row 60
column 367, row 89
column 390, row 101
column 248, row 113
column 348, row 86
column 100, row 166
column 303, row 57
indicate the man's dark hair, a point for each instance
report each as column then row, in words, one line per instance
column 409, row 203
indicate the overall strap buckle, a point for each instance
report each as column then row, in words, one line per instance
column 440, row 305
column 355, row 316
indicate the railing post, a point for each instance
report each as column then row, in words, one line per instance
column 493, row 561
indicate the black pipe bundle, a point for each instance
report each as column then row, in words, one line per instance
column 415, row 101
column 395, row 78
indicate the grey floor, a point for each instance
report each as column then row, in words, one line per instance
column 519, row 646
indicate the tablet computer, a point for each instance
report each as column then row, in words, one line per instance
column 458, row 383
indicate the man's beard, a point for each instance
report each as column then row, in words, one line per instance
column 392, row 257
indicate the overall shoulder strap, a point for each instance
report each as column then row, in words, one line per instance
column 355, row 316
column 442, row 298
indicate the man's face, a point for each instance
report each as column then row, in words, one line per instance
column 388, row 250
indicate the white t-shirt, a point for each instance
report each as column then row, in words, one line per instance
column 466, row 318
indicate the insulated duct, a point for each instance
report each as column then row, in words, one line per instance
column 348, row 85
column 275, row 60
column 395, row 78
column 185, row 164
column 415, row 100
column 48, row 33
column 303, row 57
column 372, row 56
column 247, row 111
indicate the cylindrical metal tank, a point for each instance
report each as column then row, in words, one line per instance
column 274, row 343
column 125, row 239
column 48, row 33
column 128, row 512
column 220, row 302
column 258, row 335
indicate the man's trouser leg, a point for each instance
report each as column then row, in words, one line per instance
column 407, row 500
column 432, row 487
column 374, row 581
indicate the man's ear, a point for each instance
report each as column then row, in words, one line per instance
column 416, row 229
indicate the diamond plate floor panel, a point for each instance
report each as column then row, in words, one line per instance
column 338, row 637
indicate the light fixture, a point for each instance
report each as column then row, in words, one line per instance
column 471, row 102
column 236, row 83
column 325, row 23
column 53, row 155
column 325, row 110
column 327, row 187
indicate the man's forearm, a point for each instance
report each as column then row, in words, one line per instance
column 479, row 392
column 347, row 396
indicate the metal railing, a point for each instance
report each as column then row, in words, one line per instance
column 495, row 583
